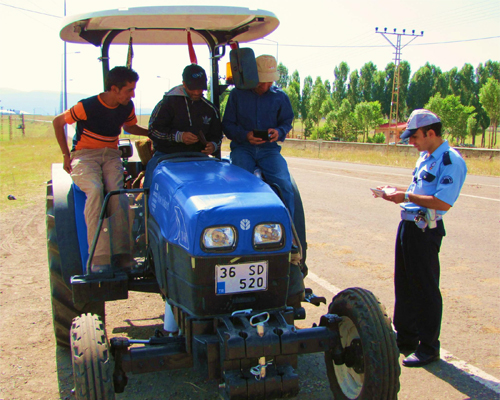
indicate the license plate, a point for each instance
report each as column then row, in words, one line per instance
column 240, row 278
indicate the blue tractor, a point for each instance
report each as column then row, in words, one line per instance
column 215, row 242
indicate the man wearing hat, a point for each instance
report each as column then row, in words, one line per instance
column 184, row 121
column 437, row 180
column 265, row 108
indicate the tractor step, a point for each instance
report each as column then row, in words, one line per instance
column 99, row 287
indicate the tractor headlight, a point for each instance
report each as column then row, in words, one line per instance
column 219, row 238
column 267, row 236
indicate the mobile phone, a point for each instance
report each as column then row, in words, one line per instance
column 264, row 135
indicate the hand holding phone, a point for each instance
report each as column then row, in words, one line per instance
column 264, row 135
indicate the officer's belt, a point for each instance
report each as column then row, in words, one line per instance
column 410, row 215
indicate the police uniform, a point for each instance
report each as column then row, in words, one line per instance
column 419, row 306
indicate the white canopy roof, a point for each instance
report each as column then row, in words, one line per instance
column 168, row 24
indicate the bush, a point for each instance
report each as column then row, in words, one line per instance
column 377, row 138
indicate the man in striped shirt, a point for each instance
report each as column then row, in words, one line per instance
column 94, row 161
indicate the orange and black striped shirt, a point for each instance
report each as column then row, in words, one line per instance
column 97, row 124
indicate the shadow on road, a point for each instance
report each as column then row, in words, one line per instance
column 473, row 386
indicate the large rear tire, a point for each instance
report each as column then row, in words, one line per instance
column 63, row 308
column 92, row 366
column 371, row 370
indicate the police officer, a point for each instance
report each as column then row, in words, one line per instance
column 437, row 180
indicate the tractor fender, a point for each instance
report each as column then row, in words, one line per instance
column 66, row 223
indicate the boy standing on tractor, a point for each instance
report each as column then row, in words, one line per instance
column 95, row 164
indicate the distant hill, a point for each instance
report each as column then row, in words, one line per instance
column 39, row 102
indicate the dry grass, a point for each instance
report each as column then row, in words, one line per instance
column 476, row 166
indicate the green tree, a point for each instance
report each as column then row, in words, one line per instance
column 306, row 95
column 453, row 115
column 368, row 115
column 420, row 90
column 339, row 84
column 284, row 79
column 328, row 87
column 467, row 83
column 489, row 96
column 378, row 90
column 353, row 92
column 295, row 77
column 483, row 73
column 453, row 79
column 340, row 121
column 367, row 81
column 293, row 95
column 387, row 92
column 327, row 106
column 404, row 81
column 472, row 126
column 491, row 69
column 318, row 97
column 424, row 84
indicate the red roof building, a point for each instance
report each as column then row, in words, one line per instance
column 388, row 131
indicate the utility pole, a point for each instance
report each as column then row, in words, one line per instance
column 394, row 112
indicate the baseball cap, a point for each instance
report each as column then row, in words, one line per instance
column 194, row 77
column 267, row 68
column 418, row 119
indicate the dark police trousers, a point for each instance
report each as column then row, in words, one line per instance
column 419, row 305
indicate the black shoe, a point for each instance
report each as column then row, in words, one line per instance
column 419, row 360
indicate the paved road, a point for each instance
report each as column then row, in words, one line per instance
column 351, row 243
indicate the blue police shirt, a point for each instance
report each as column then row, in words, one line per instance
column 440, row 174
column 246, row 111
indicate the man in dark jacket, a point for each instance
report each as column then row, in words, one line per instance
column 184, row 121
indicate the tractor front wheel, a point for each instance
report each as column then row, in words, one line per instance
column 371, row 358
column 92, row 366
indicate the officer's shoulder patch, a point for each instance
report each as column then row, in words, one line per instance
column 446, row 158
column 447, row 179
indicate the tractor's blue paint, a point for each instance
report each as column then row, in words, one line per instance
column 64, row 210
column 187, row 197
column 81, row 227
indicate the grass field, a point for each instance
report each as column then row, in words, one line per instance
column 25, row 162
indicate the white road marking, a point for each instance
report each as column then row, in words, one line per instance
column 371, row 180
column 478, row 375
column 312, row 162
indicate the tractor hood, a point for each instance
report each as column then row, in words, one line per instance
column 188, row 197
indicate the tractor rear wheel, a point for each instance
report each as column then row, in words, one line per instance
column 371, row 369
column 92, row 365
column 63, row 308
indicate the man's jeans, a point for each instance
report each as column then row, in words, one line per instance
column 96, row 172
column 272, row 165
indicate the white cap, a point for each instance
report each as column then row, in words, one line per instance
column 267, row 68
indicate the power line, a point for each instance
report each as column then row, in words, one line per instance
column 374, row 46
column 33, row 11
column 456, row 41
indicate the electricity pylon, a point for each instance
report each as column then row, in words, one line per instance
column 393, row 114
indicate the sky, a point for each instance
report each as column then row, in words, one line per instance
column 314, row 37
